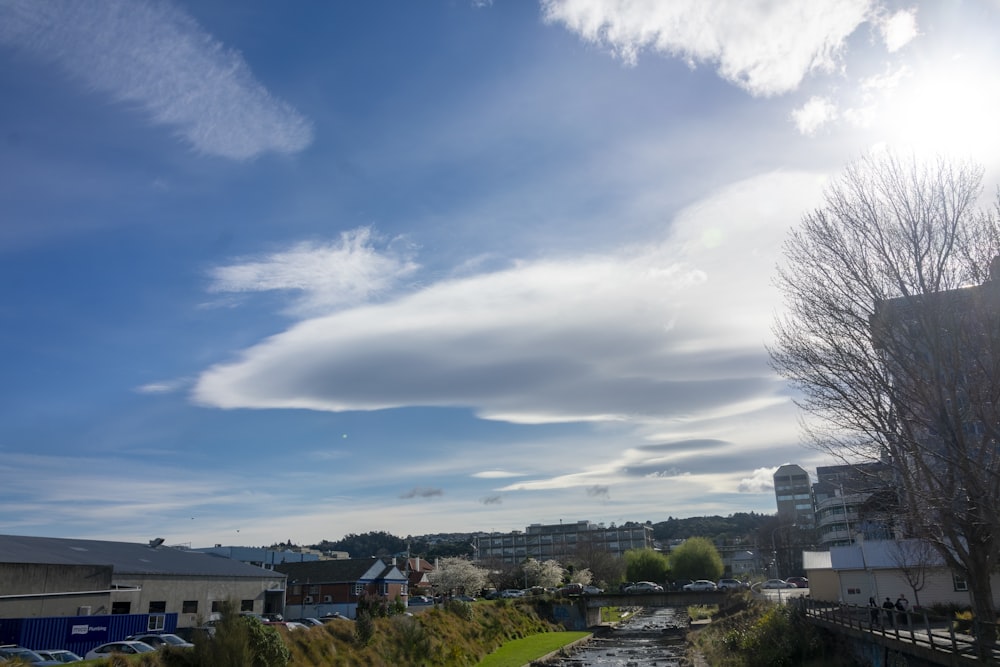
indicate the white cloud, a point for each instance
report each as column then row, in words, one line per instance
column 671, row 332
column 151, row 54
column 327, row 276
column 496, row 474
column 766, row 48
column 761, row 481
column 899, row 29
column 814, row 114
column 164, row 387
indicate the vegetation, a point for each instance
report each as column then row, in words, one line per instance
column 238, row 641
column 457, row 575
column 696, row 558
column 736, row 526
column 646, row 565
column 886, row 366
column 523, row 651
column 765, row 635
column 456, row 635
column 545, row 573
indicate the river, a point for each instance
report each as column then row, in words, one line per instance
column 651, row 637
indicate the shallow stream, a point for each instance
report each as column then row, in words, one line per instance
column 651, row 637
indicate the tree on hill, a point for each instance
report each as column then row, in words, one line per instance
column 741, row 525
column 373, row 544
column 696, row 558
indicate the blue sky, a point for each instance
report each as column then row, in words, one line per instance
column 278, row 272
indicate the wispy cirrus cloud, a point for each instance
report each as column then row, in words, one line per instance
column 153, row 55
column 765, row 48
column 422, row 492
column 325, row 275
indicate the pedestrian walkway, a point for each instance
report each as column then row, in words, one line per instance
column 925, row 635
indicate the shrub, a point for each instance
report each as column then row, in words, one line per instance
column 364, row 627
column 461, row 609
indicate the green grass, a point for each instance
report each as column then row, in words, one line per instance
column 520, row 652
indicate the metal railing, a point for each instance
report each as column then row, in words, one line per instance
column 915, row 627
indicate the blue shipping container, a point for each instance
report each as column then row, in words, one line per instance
column 80, row 633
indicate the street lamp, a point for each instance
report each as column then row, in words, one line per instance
column 774, row 546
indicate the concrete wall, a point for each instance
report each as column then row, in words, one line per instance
column 204, row 590
column 33, row 591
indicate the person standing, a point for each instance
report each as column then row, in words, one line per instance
column 887, row 607
column 873, row 612
column 902, row 606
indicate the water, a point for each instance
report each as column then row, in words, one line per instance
column 651, row 637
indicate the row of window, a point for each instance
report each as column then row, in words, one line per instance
column 187, row 606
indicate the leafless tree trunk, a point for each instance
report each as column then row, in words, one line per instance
column 891, row 336
column 914, row 558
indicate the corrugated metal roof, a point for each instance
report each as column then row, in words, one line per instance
column 124, row 557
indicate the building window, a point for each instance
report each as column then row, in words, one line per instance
column 246, row 605
column 359, row 588
column 314, row 590
column 121, row 607
column 156, row 623
column 216, row 606
column 189, row 607
column 960, row 583
column 158, row 607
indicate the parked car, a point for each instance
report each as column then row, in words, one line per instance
column 592, row 590
column 464, row 598
column 158, row 640
column 309, row 622
column 337, row 616
column 776, row 583
column 799, row 582
column 700, row 585
column 729, row 584
column 419, row 600
column 288, row 625
column 60, row 655
column 126, row 647
column 570, row 589
column 25, row 655
column 512, row 593
column 644, row 587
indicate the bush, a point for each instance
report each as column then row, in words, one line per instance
column 364, row 627
column 461, row 609
column 238, row 641
column 763, row 635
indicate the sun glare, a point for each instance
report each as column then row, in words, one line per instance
column 947, row 108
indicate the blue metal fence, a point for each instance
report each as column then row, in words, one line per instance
column 80, row 633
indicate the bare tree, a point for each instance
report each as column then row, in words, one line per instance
column 893, row 345
column 914, row 558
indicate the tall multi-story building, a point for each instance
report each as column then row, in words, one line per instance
column 562, row 541
column 853, row 500
column 793, row 495
column 942, row 354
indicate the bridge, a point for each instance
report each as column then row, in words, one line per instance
column 665, row 599
column 579, row 612
column 914, row 639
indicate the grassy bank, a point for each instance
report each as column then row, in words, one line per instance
column 763, row 634
column 523, row 651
